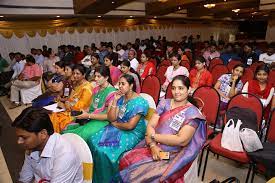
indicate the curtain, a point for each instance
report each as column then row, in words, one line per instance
column 270, row 32
column 54, row 38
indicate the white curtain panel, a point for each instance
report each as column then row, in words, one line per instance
column 175, row 33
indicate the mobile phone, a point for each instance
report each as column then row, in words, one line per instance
column 164, row 155
column 76, row 113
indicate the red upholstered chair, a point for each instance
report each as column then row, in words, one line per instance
column 190, row 56
column 214, row 62
column 186, row 64
column 168, row 93
column 271, row 78
column 243, row 100
column 248, row 75
column 232, row 64
column 211, row 102
column 165, row 63
column 254, row 66
column 160, row 74
column 218, row 71
column 151, row 85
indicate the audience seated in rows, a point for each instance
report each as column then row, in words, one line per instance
column 177, row 128
column 126, row 129
column 28, row 78
column 79, row 99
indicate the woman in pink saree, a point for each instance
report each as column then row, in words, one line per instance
column 175, row 136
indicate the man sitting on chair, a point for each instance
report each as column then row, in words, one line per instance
column 49, row 156
column 29, row 77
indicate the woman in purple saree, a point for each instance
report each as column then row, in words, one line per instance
column 174, row 138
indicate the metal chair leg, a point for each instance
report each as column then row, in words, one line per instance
column 200, row 161
column 248, row 173
column 205, row 164
column 253, row 172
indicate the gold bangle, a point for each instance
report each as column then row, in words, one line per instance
column 114, row 106
column 152, row 145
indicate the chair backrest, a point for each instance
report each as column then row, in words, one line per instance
column 271, row 77
column 151, row 85
column 152, row 105
column 165, row 63
column 160, row 74
column 84, row 153
column 186, row 64
column 218, row 71
column 211, row 100
column 250, row 101
column 248, row 75
column 214, row 62
column 254, row 66
column 168, row 93
column 232, row 64
column 270, row 135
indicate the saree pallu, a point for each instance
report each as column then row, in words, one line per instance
column 109, row 144
column 138, row 165
column 115, row 74
column 100, row 102
column 81, row 98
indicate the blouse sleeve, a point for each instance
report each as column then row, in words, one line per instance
column 84, row 100
column 161, row 107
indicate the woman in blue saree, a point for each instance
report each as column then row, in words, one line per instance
column 126, row 129
column 175, row 135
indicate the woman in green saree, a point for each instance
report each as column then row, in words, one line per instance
column 103, row 95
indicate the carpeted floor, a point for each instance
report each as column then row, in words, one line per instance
column 13, row 153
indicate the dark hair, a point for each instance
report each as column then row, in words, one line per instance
column 81, row 68
column 109, row 56
column 11, row 53
column 262, row 68
column 95, row 55
column 105, row 72
column 69, row 65
column 186, row 82
column 130, row 79
column 60, row 64
column 126, row 63
column 29, row 58
column 178, row 56
column 34, row 120
column 201, row 59
column 239, row 65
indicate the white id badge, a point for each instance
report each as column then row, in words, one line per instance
column 121, row 111
column 249, row 61
column 96, row 102
column 176, row 122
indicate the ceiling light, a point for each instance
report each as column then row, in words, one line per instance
column 179, row 7
column 1, row 16
column 254, row 13
column 162, row 1
column 209, row 6
column 266, row 15
column 99, row 16
column 57, row 16
column 113, row 2
column 155, row 17
column 131, row 16
column 236, row 10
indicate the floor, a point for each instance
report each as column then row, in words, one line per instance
column 219, row 169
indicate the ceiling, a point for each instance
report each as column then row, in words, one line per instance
column 158, row 9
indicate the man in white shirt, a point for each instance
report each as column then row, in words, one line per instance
column 133, row 61
column 49, row 156
column 18, row 66
column 269, row 56
column 87, row 60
